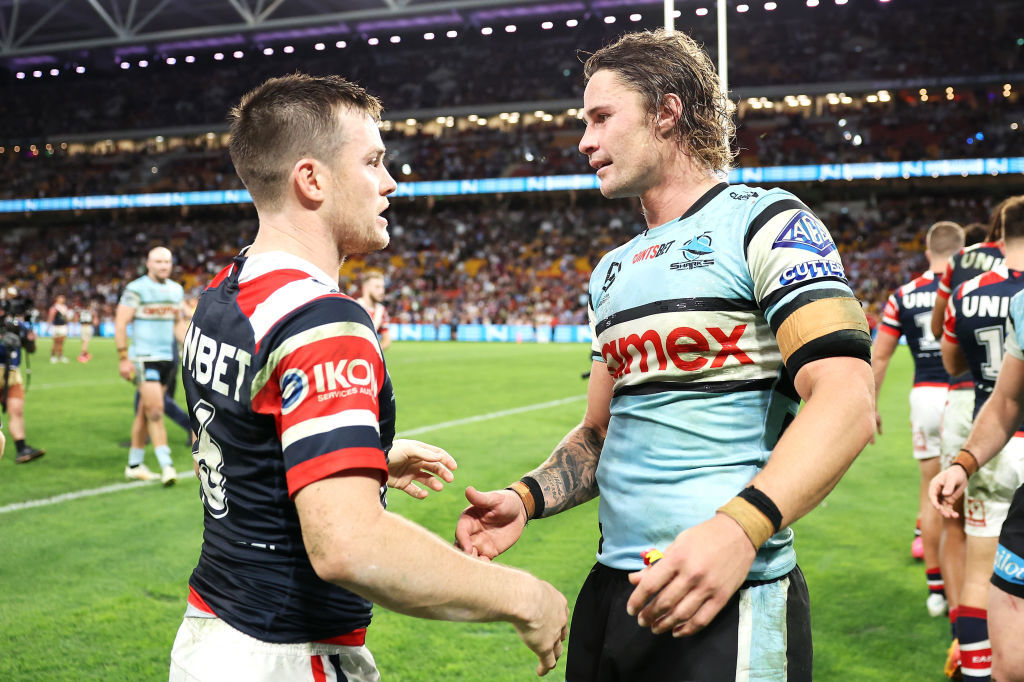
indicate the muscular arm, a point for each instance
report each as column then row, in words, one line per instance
column 881, row 353
column 122, row 317
column 385, row 340
column 953, row 359
column 938, row 315
column 569, row 476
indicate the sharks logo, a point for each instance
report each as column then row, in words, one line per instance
column 696, row 251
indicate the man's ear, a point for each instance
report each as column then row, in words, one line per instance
column 670, row 110
column 308, row 180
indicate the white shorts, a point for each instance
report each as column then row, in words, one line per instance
column 926, row 406
column 208, row 649
column 86, row 332
column 956, row 423
column 59, row 331
column 991, row 489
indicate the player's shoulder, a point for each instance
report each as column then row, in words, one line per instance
column 980, row 281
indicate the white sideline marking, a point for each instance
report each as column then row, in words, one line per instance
column 118, row 487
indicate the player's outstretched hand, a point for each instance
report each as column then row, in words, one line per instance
column 699, row 573
column 491, row 524
column 411, row 462
column 946, row 488
column 545, row 632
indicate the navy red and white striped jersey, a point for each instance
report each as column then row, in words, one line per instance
column 286, row 385
column 379, row 315
column 976, row 321
column 908, row 313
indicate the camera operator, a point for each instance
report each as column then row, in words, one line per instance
column 16, row 337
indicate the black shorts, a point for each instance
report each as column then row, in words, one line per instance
column 607, row 645
column 161, row 371
column 1008, row 571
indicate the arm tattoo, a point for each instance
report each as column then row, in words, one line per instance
column 569, row 476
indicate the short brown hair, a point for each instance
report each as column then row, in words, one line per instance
column 1012, row 218
column 945, row 238
column 286, row 119
column 366, row 275
column 655, row 64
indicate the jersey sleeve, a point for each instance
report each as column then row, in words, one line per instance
column 130, row 297
column 891, row 318
column 384, row 320
column 1015, row 327
column 800, row 285
column 949, row 319
column 946, row 281
column 321, row 382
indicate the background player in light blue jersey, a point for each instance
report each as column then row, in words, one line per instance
column 154, row 304
column 998, row 421
column 709, row 328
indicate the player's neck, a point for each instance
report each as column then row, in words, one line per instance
column 680, row 188
column 278, row 233
column 1013, row 249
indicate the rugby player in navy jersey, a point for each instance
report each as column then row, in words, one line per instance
column 907, row 314
column 994, row 443
column 294, row 411
column 709, row 328
column 973, row 341
column 978, row 256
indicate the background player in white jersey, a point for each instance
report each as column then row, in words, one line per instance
column 709, row 327
column 997, row 424
column 88, row 318
column 58, row 317
column 153, row 305
column 908, row 314
column 371, row 297
column 295, row 435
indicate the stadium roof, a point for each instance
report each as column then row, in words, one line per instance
column 33, row 27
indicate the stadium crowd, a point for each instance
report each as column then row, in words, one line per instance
column 458, row 262
column 829, row 44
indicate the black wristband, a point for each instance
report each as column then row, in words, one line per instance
column 764, row 504
column 538, row 495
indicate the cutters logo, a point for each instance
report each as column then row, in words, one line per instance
column 609, row 278
column 686, row 347
column 743, row 196
column 294, row 389
column 696, row 252
column 653, row 252
column 804, row 231
column 812, row 269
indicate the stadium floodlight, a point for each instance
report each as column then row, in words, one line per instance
column 125, row 66
column 635, row 17
column 54, row 72
column 742, row 8
column 288, row 49
column 841, row 2
column 143, row 63
column 171, row 61
column 428, row 36
column 237, row 54
column 395, row 40
column 481, row 121
column 37, row 74
column 486, row 30
column 472, row 118
column 676, row 14
column 372, row 41
column 190, row 59
column 547, row 25
column 319, row 47
column 79, row 69
column 812, row 3
column 341, row 44
column 511, row 28
column 609, row 20
column 702, row 11
column 268, row 51
column 1014, row 126
column 452, row 34
column 406, row 169
column 871, row 98
column 841, row 123
column 769, row 6
column 20, row 75
column 410, row 121
column 572, row 23
column 218, row 56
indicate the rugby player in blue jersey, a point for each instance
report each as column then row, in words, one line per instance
column 907, row 314
column 998, row 430
column 709, row 328
column 153, row 305
column 294, row 410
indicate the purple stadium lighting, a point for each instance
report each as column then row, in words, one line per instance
column 609, row 19
column 35, row 59
column 20, row 75
column 452, row 34
column 171, row 61
column 572, row 23
column 341, row 44
column 237, row 54
column 218, row 56
column 408, row 23
column 288, row 49
column 396, row 39
column 37, row 74
column 79, row 69
column 635, row 17
column 547, row 25
column 143, row 63
column 54, row 72
column 511, row 28
column 301, row 33
column 190, row 59
column 319, row 47
column 373, row 41
column 702, row 11
column 428, row 36
column 486, row 30
column 125, row 66
column 196, row 44
column 531, row 11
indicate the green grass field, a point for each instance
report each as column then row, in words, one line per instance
column 94, row 588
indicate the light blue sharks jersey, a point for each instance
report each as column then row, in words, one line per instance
column 156, row 306
column 1014, row 340
column 702, row 323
